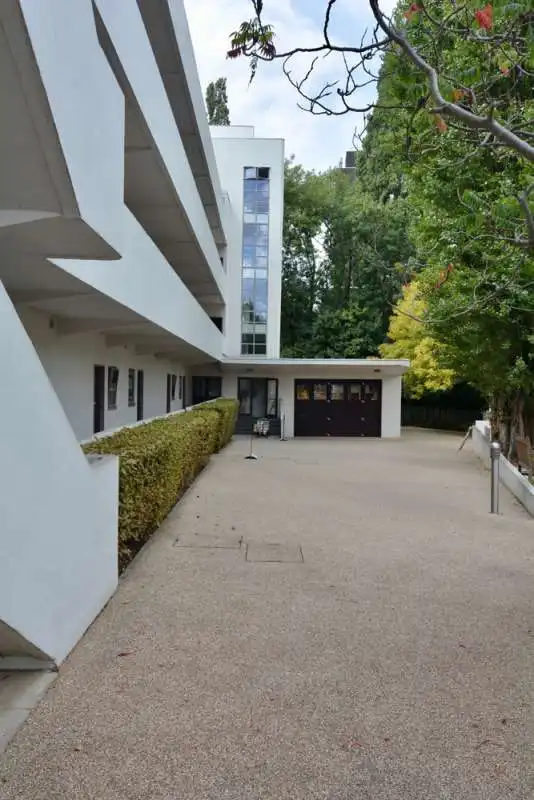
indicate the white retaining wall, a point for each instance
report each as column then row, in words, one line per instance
column 58, row 534
column 518, row 484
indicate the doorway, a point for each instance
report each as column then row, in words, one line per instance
column 99, row 391
column 140, row 393
column 258, row 397
column 169, row 394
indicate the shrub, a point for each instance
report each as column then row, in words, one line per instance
column 227, row 411
column 158, row 461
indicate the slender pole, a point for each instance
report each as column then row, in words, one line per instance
column 251, row 456
column 495, row 457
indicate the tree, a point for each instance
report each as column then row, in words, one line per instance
column 463, row 66
column 217, row 103
column 340, row 269
column 409, row 339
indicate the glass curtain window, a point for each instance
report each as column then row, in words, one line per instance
column 255, row 261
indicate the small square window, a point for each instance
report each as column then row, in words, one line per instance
column 263, row 172
column 113, row 387
column 131, row 387
column 250, row 173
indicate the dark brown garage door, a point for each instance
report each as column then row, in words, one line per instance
column 338, row 408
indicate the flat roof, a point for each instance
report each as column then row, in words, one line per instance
column 385, row 365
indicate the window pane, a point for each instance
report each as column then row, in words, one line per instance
column 337, row 391
column 263, row 172
column 303, row 391
column 131, row 387
column 260, row 350
column 355, row 392
column 113, row 383
column 250, row 172
column 272, row 397
column 319, row 391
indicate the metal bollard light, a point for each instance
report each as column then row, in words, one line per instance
column 495, row 456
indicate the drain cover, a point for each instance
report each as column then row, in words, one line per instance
column 207, row 541
column 274, row 553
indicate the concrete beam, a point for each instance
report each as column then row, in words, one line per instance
column 27, row 297
column 69, row 326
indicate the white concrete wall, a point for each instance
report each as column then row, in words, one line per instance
column 84, row 96
column 69, row 363
column 233, row 154
column 58, row 533
column 391, row 407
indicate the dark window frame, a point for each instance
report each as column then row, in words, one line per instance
column 173, row 387
column 132, row 384
column 113, row 388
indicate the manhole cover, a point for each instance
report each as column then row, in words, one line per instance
column 207, row 541
column 274, row 553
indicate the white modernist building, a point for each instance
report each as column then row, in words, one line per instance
column 140, row 272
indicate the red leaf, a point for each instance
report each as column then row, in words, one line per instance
column 414, row 9
column 125, row 653
column 484, row 17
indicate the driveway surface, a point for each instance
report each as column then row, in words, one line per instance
column 340, row 619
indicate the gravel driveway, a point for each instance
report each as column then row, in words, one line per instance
column 340, row 619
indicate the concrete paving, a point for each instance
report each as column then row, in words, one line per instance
column 339, row 619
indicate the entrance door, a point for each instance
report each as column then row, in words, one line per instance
column 99, row 390
column 338, row 408
column 258, row 397
column 140, row 393
column 169, row 394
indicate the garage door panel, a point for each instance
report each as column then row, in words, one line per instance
column 338, row 408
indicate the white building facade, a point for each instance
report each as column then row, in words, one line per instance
column 140, row 272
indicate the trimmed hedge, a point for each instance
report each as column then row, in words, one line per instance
column 158, row 461
column 227, row 411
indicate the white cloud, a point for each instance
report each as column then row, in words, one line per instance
column 270, row 103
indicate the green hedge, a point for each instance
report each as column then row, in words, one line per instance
column 227, row 411
column 158, row 461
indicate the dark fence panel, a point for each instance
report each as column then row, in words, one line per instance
column 448, row 419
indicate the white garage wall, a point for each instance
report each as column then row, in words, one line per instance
column 69, row 363
column 391, row 407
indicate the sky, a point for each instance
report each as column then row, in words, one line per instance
column 270, row 103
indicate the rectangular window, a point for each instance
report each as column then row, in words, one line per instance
column 255, row 260
column 131, row 387
column 113, row 387
column 173, row 387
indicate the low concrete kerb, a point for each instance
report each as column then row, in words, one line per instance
column 510, row 476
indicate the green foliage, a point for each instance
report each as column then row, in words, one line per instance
column 342, row 265
column 227, row 412
column 408, row 338
column 217, row 103
column 158, row 461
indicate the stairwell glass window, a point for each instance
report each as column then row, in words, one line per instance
column 255, row 261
